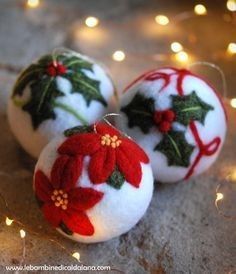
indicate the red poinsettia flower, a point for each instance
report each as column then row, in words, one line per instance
column 63, row 203
column 109, row 150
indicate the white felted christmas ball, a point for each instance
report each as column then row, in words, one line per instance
column 55, row 93
column 177, row 118
column 93, row 184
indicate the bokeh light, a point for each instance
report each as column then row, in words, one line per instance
column 32, row 3
column 118, row 56
column 176, row 47
column 231, row 48
column 182, row 57
column 231, row 5
column 200, row 9
column 162, row 20
column 91, row 22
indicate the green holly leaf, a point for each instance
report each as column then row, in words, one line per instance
column 40, row 105
column 81, row 83
column 116, row 179
column 89, row 88
column 79, row 129
column 190, row 108
column 33, row 72
column 176, row 149
column 140, row 112
column 76, row 63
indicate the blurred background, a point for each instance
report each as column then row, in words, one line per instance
column 128, row 36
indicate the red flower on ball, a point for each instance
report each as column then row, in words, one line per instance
column 109, row 150
column 63, row 202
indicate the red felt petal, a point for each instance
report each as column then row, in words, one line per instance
column 43, row 187
column 134, row 151
column 72, row 172
column 52, row 214
column 103, row 128
column 101, row 165
column 78, row 222
column 130, row 167
column 84, row 198
column 57, row 171
column 66, row 171
column 84, row 144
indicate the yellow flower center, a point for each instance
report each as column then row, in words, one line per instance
column 112, row 141
column 60, row 198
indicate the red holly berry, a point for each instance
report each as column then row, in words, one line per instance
column 55, row 68
column 158, row 116
column 169, row 115
column 164, row 120
column 164, row 127
column 51, row 71
column 61, row 69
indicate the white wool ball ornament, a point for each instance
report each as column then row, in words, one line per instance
column 94, row 184
column 55, row 93
column 177, row 118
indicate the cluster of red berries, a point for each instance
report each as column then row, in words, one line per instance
column 54, row 69
column 164, row 120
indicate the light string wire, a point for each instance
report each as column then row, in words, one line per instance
column 219, row 195
column 104, row 118
column 10, row 219
column 218, row 69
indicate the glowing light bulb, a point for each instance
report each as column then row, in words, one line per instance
column 162, row 20
column 176, row 47
column 181, row 56
column 22, row 233
column 8, row 221
column 233, row 103
column 32, row 3
column 231, row 5
column 200, row 9
column 118, row 56
column 231, row 48
column 219, row 196
column 76, row 255
column 91, row 22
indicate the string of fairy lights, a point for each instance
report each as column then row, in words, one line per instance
column 180, row 54
column 119, row 55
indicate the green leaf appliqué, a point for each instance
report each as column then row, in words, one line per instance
column 175, row 147
column 46, row 111
column 81, row 83
column 44, row 90
column 190, row 108
column 116, row 179
column 86, row 86
column 140, row 112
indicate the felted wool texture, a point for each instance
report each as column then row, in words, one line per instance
column 215, row 124
column 33, row 140
column 108, row 219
